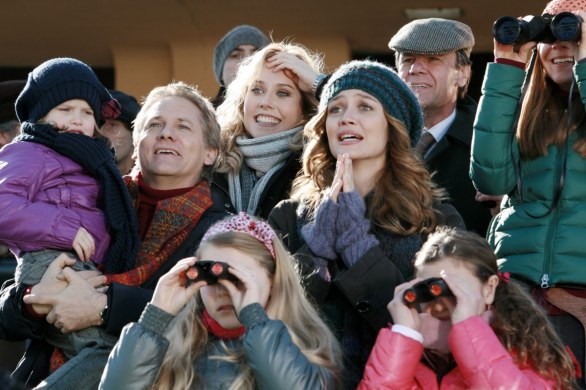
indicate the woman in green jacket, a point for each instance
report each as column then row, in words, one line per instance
column 539, row 161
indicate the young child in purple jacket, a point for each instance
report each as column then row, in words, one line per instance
column 59, row 186
column 60, row 189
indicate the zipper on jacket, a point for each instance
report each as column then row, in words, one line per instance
column 549, row 251
column 545, row 281
column 552, row 228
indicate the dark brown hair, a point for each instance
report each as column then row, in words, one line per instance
column 518, row 321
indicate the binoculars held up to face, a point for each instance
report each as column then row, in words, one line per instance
column 208, row 270
column 546, row 28
column 426, row 291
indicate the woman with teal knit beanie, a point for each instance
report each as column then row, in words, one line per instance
column 361, row 205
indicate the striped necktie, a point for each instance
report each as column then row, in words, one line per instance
column 425, row 142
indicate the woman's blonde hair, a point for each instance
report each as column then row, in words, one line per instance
column 404, row 194
column 188, row 337
column 520, row 324
column 231, row 111
column 544, row 119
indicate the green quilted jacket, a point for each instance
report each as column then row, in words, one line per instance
column 549, row 250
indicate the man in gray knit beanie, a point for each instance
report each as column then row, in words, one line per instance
column 240, row 42
column 433, row 57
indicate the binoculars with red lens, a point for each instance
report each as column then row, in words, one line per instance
column 208, row 270
column 425, row 291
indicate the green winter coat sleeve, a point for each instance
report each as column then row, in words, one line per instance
column 580, row 76
column 491, row 165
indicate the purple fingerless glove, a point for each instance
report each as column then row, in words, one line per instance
column 320, row 234
column 353, row 239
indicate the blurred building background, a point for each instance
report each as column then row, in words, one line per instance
column 135, row 45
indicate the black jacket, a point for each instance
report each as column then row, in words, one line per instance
column 450, row 160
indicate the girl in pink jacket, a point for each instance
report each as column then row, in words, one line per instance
column 461, row 324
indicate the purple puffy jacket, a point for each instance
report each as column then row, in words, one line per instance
column 45, row 198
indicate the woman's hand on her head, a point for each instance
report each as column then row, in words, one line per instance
column 254, row 285
column 295, row 68
column 401, row 313
column 468, row 299
column 171, row 293
column 84, row 244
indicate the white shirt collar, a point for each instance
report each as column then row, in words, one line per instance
column 440, row 129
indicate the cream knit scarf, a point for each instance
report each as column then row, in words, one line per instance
column 263, row 157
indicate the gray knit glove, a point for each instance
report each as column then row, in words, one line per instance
column 352, row 227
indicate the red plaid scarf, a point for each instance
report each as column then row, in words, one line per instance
column 172, row 222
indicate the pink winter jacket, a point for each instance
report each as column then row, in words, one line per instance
column 482, row 363
column 45, row 198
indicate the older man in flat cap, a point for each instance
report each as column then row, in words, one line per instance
column 433, row 57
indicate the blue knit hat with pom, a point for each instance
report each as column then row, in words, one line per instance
column 56, row 81
column 385, row 85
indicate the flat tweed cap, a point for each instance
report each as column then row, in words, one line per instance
column 433, row 36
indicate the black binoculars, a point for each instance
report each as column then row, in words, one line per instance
column 208, row 270
column 425, row 291
column 546, row 28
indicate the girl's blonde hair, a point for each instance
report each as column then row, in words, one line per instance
column 188, row 337
column 231, row 111
column 544, row 119
column 520, row 324
column 403, row 195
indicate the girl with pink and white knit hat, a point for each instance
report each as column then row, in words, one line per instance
column 257, row 331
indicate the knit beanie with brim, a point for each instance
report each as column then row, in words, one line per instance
column 385, row 85
column 557, row 6
column 239, row 35
column 61, row 79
